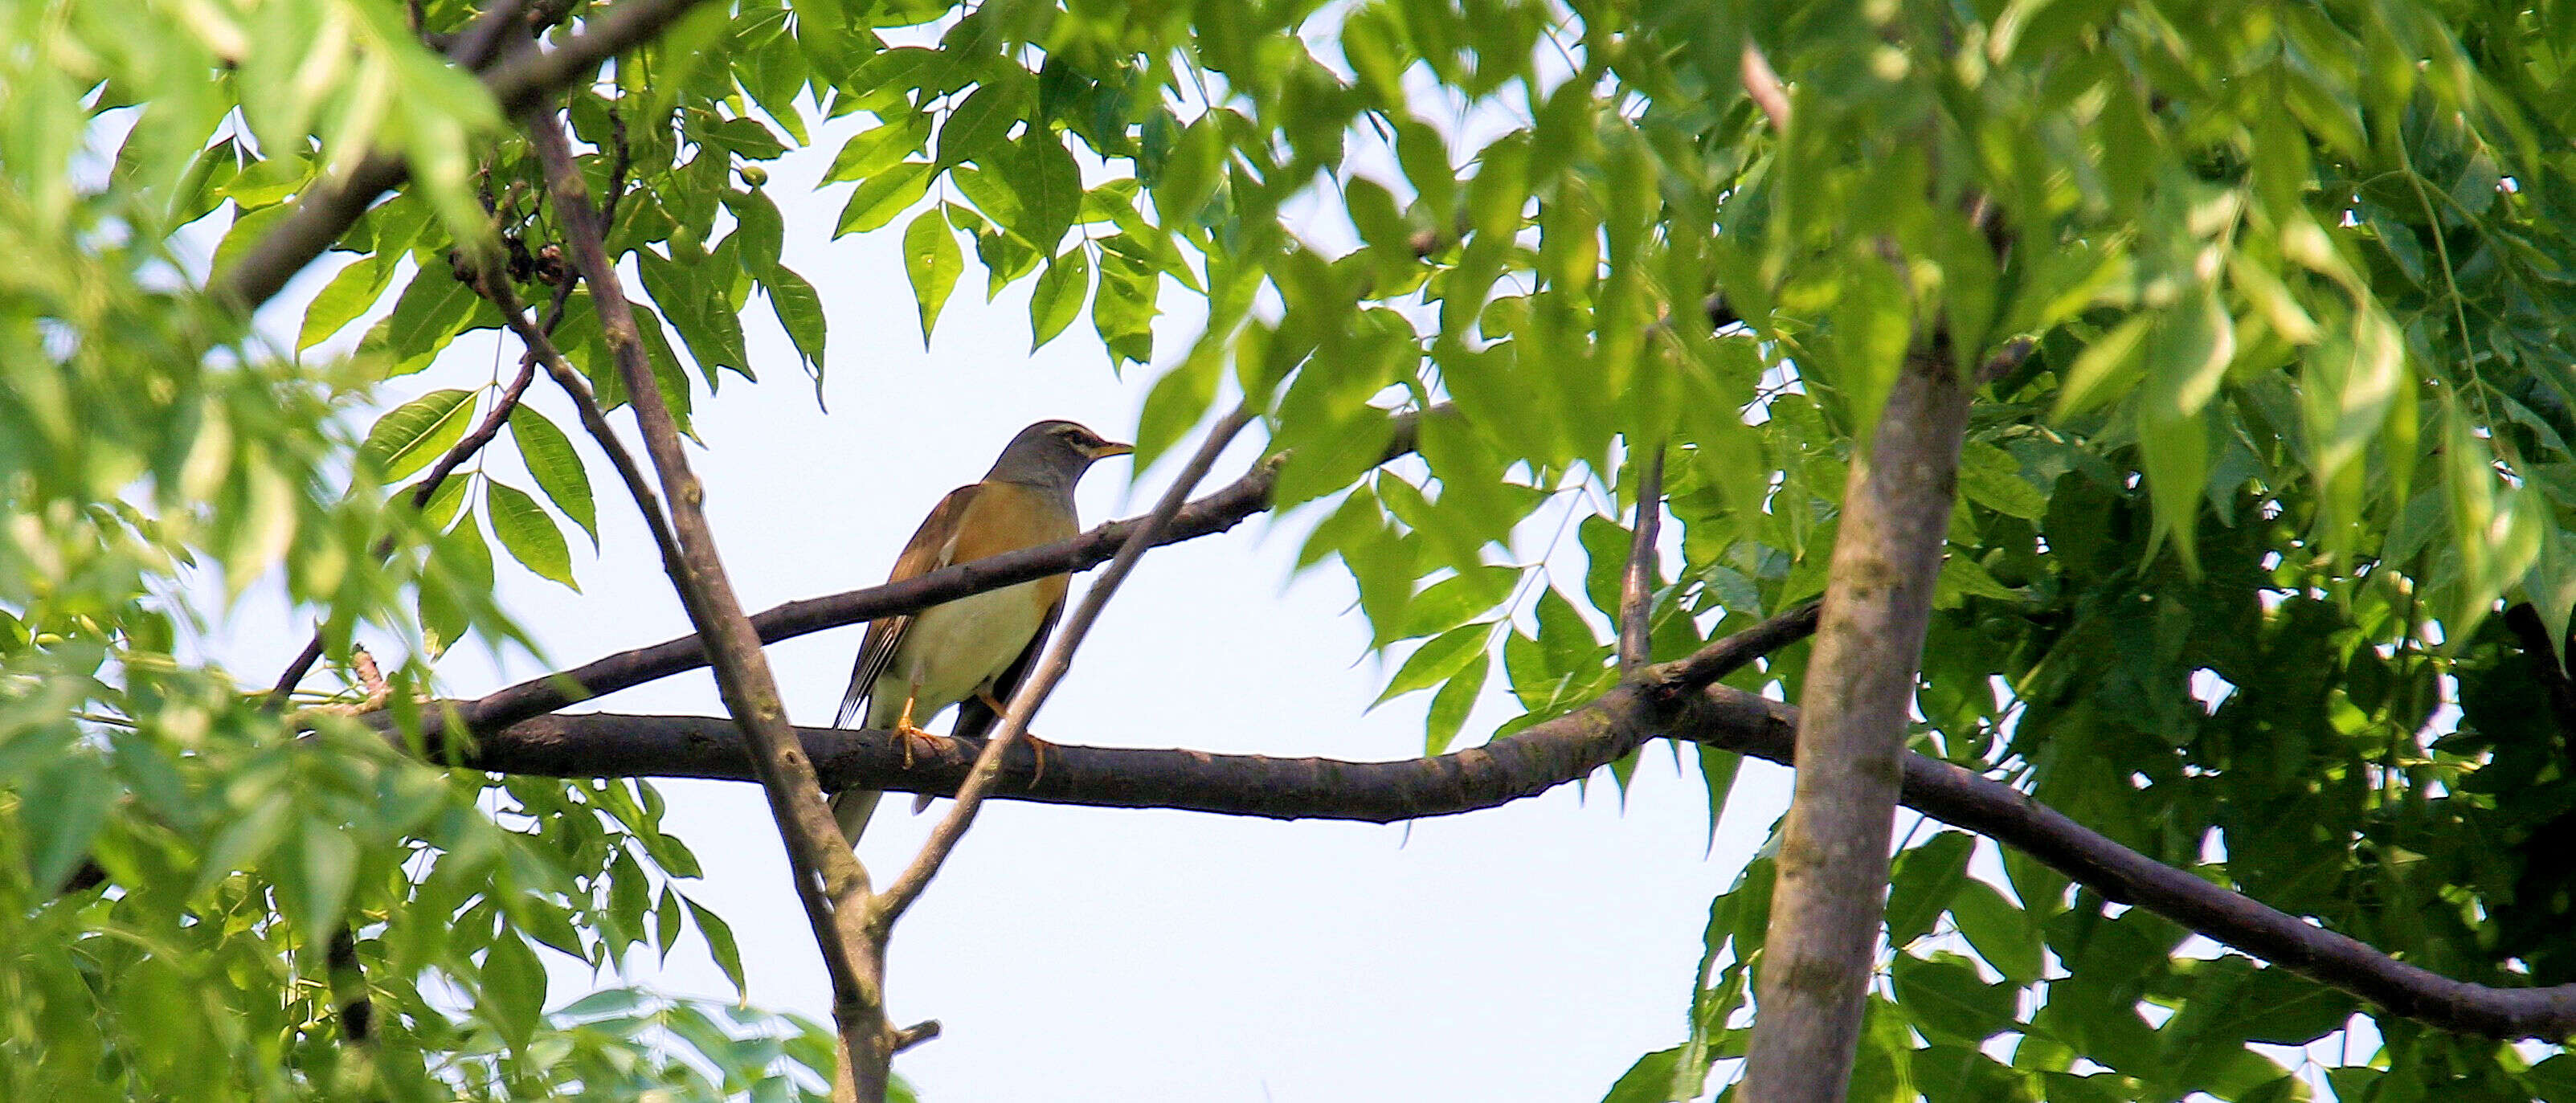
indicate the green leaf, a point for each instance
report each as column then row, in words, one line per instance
column 1049, row 187
column 603, row 1003
column 465, row 561
column 2186, row 357
column 2002, row 935
column 2290, row 1010
column 557, row 468
column 667, row 915
column 932, row 262
column 243, row 843
column 719, row 943
column 1962, row 577
column 1991, row 477
column 247, row 230
column 432, row 308
column 1922, row 883
column 1451, row 601
column 800, row 313
column 880, row 198
column 904, row 69
column 873, row 151
column 61, row 811
column 983, row 119
column 527, row 533
column 330, row 871
column 417, row 432
column 2105, row 370
column 351, row 291
column 759, row 233
column 1647, row 1080
column 1945, row 999
column 513, row 988
column 1179, row 399
column 1436, row 660
column 1450, row 706
column 1563, row 635
column 1057, row 298
column 1122, row 310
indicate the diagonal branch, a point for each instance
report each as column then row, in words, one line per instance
column 889, row 906
column 1636, row 587
column 520, row 81
column 829, row 880
column 1214, row 513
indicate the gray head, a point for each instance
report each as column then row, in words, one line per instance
column 1052, row 454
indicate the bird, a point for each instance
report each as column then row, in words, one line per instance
column 974, row 651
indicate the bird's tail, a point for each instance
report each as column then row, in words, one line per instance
column 852, row 807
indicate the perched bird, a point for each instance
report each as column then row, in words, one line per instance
column 974, row 651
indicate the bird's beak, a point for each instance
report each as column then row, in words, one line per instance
column 1108, row 448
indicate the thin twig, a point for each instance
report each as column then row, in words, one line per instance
column 480, row 42
column 888, row 906
column 1636, row 590
column 1763, row 84
column 830, row 882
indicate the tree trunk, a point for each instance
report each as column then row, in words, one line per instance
column 1830, row 902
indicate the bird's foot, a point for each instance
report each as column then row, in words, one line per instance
column 904, row 734
column 1038, row 749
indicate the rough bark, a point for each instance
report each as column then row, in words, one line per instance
column 1830, row 901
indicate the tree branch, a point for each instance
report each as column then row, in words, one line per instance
column 1211, row 514
column 1636, row 596
column 829, row 880
column 1753, row 68
column 1830, row 902
column 1526, row 764
column 888, row 907
column 524, row 78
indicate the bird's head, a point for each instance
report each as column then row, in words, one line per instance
column 1053, row 453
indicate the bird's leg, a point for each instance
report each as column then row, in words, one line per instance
column 1037, row 746
column 905, row 731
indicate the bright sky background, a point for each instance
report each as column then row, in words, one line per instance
column 1524, row 953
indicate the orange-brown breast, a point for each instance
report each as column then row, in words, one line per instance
column 1005, row 517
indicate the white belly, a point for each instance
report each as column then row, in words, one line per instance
column 976, row 637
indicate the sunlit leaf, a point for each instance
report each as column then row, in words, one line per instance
column 528, row 533
column 557, row 468
column 417, row 432
column 932, row 262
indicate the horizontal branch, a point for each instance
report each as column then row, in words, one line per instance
column 1522, row 765
column 1214, row 513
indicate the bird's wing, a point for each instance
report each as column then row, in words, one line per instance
column 932, row 547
